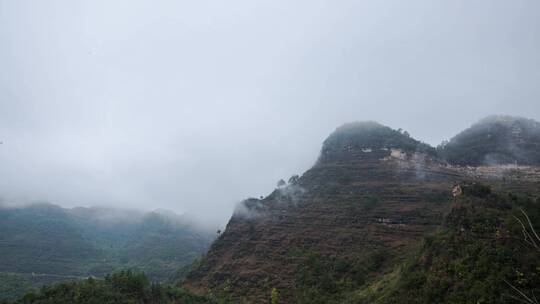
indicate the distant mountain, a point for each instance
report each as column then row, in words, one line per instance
column 43, row 239
column 342, row 231
column 495, row 140
column 45, row 243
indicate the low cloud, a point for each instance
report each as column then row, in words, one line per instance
column 191, row 106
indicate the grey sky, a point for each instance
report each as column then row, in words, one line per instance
column 194, row 105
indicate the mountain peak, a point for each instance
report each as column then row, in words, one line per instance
column 351, row 138
column 496, row 139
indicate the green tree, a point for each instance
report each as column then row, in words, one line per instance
column 274, row 295
column 294, row 179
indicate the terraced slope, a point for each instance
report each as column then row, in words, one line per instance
column 365, row 202
column 373, row 195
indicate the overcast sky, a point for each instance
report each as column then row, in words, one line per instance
column 195, row 105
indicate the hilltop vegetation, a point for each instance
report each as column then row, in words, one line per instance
column 370, row 135
column 45, row 243
column 492, row 140
column 495, row 140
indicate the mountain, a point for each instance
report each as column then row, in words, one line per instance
column 44, row 243
column 496, row 140
column 373, row 192
column 372, row 197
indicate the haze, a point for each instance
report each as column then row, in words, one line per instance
column 195, row 105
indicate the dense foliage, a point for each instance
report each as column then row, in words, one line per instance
column 329, row 280
column 495, row 140
column 120, row 288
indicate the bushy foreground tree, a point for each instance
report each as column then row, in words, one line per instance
column 124, row 287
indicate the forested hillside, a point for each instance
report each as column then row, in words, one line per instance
column 44, row 243
column 495, row 140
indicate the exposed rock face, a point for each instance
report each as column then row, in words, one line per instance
column 372, row 190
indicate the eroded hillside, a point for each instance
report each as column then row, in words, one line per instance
column 372, row 196
column 364, row 202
